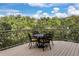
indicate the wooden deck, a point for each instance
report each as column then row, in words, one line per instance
column 60, row 48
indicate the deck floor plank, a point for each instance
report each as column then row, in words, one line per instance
column 70, row 50
column 65, row 50
column 57, row 48
column 60, row 48
column 73, row 49
column 77, row 50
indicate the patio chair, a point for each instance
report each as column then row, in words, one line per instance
column 35, row 32
column 45, row 42
column 31, row 40
column 50, row 37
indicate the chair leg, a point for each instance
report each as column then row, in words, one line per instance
column 49, row 46
column 30, row 45
column 52, row 43
column 43, row 46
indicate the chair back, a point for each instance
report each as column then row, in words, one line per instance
column 49, row 36
column 35, row 32
column 30, row 38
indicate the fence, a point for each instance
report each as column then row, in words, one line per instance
column 13, row 38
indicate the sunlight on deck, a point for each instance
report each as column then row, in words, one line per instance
column 60, row 48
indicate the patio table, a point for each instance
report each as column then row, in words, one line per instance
column 39, row 37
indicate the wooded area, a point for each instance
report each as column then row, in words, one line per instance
column 14, row 29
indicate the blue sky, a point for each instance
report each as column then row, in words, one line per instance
column 39, row 9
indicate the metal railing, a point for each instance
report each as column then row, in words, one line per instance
column 10, row 38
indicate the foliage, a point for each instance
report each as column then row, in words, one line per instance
column 13, row 29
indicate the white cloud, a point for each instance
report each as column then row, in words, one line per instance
column 40, row 4
column 8, row 12
column 56, row 13
column 45, row 15
column 13, row 13
column 55, row 10
column 36, row 16
column 60, row 15
column 40, row 14
column 72, row 11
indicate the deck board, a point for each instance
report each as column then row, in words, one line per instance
column 65, row 49
column 60, row 48
column 77, row 50
column 70, row 49
column 56, row 48
column 73, row 49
